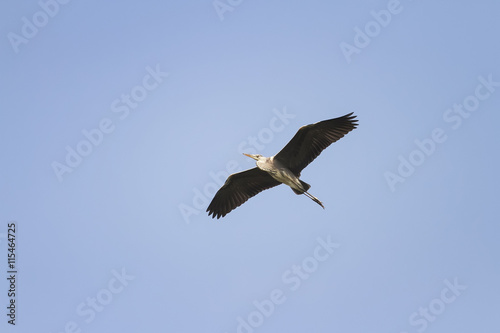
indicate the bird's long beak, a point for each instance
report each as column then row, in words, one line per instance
column 251, row 156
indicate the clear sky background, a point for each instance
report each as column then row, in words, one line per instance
column 120, row 120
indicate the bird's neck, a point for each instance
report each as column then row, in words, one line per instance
column 264, row 163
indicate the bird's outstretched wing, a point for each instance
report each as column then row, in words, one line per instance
column 310, row 140
column 238, row 188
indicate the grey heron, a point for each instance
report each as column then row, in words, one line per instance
column 282, row 168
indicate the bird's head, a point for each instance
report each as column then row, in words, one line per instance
column 254, row 156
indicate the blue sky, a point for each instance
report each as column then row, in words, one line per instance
column 119, row 122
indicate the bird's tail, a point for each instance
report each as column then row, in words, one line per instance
column 305, row 186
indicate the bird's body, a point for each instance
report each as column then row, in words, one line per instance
column 283, row 175
column 283, row 168
column 276, row 170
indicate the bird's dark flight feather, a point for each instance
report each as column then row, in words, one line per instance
column 238, row 188
column 311, row 140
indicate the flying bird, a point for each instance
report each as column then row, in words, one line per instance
column 282, row 168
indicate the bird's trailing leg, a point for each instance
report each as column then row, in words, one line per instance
column 313, row 198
